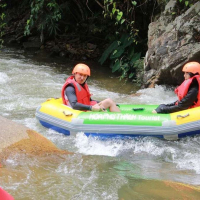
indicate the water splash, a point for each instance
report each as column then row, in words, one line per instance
column 96, row 146
column 99, row 168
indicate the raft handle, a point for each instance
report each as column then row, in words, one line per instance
column 136, row 109
column 183, row 116
column 67, row 113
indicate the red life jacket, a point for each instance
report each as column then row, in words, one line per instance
column 82, row 92
column 4, row 195
column 182, row 90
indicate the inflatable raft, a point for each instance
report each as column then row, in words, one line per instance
column 132, row 121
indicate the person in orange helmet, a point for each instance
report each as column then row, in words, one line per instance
column 188, row 92
column 75, row 92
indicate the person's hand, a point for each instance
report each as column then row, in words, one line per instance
column 102, row 107
column 96, row 108
column 154, row 111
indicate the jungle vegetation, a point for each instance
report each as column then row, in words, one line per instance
column 118, row 27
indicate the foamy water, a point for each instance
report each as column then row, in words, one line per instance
column 99, row 168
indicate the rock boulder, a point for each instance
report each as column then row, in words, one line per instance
column 172, row 41
column 16, row 138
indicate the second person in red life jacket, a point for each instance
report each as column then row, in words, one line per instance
column 75, row 92
column 188, row 92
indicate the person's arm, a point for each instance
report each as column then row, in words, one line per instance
column 185, row 103
column 71, row 95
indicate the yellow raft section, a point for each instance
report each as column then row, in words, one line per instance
column 186, row 116
column 56, row 108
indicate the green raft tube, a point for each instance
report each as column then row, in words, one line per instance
column 132, row 121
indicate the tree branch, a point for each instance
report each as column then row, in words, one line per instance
column 100, row 4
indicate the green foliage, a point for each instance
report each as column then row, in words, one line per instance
column 122, row 53
column 123, row 58
column 108, row 51
column 122, row 14
column 2, row 22
column 45, row 16
column 185, row 2
column 182, row 6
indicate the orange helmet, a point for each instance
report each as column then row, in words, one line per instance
column 81, row 68
column 192, row 67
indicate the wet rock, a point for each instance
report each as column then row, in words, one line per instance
column 172, row 41
column 158, row 189
column 16, row 138
column 62, row 54
column 91, row 46
column 55, row 51
column 32, row 43
column 136, row 94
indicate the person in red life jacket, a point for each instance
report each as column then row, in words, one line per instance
column 188, row 92
column 4, row 195
column 75, row 92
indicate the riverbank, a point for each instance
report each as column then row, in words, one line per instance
column 71, row 47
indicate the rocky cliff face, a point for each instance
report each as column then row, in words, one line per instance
column 171, row 43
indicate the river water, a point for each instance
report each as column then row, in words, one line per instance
column 100, row 169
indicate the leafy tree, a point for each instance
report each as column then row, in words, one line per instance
column 45, row 14
column 2, row 21
column 123, row 52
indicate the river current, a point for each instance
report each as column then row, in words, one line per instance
column 99, row 169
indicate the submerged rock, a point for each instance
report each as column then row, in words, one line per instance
column 16, row 138
column 159, row 189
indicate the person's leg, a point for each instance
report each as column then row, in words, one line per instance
column 109, row 103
